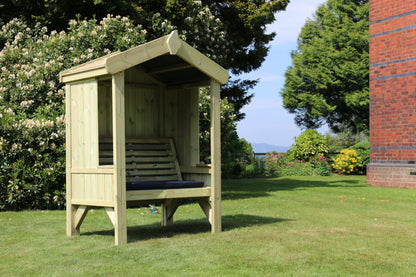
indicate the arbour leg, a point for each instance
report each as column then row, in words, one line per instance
column 75, row 217
column 169, row 208
column 206, row 208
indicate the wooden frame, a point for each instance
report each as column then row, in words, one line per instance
column 149, row 90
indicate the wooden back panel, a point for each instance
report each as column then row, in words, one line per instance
column 147, row 159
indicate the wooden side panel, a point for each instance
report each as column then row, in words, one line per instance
column 84, row 125
column 92, row 187
column 181, row 122
column 142, row 110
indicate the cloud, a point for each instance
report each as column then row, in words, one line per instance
column 289, row 23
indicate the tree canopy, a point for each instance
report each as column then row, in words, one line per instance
column 242, row 23
column 328, row 81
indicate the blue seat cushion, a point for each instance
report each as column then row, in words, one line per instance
column 142, row 185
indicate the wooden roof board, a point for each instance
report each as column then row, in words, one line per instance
column 148, row 53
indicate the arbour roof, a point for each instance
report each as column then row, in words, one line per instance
column 167, row 59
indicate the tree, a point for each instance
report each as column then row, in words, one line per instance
column 328, row 81
column 242, row 23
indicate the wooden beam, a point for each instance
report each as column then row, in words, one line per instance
column 206, row 208
column 119, row 155
column 215, row 157
column 79, row 216
column 169, row 208
column 137, row 55
column 195, row 170
column 203, row 63
column 169, row 68
column 70, row 210
column 111, row 214
column 133, row 195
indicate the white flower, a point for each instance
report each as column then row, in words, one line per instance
column 9, row 111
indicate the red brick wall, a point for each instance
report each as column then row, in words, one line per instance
column 392, row 93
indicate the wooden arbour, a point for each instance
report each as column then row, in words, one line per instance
column 147, row 91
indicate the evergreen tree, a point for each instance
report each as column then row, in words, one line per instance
column 328, row 81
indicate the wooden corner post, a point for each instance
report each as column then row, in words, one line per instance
column 119, row 183
column 215, row 158
column 70, row 210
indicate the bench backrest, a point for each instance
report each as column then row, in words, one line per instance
column 147, row 159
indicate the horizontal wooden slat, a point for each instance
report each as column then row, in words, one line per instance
column 150, row 153
column 92, row 203
column 150, row 172
column 106, row 161
column 151, row 166
column 134, row 195
column 144, row 140
column 149, row 159
column 147, row 146
column 138, row 153
column 152, row 178
column 108, row 170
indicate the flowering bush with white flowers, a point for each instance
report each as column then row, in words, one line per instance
column 32, row 129
column 232, row 164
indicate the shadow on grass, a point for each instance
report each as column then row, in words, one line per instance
column 196, row 226
column 250, row 188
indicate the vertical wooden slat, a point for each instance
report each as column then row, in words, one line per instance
column 215, row 157
column 75, row 124
column 100, row 187
column 130, row 111
column 119, row 158
column 194, row 127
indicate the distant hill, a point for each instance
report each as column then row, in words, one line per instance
column 264, row 148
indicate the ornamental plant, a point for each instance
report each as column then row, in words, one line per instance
column 348, row 162
column 274, row 162
column 309, row 145
column 32, row 127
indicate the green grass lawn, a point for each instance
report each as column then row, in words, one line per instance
column 300, row 226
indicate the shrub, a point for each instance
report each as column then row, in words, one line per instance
column 309, row 145
column 321, row 166
column 363, row 151
column 274, row 161
column 348, row 162
column 280, row 164
column 32, row 128
column 296, row 168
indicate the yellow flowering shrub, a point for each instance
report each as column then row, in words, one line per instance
column 348, row 162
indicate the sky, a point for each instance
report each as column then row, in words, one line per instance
column 266, row 120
